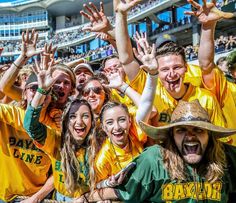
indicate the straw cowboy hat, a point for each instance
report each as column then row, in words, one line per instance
column 189, row 114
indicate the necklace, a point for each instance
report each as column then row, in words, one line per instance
column 130, row 150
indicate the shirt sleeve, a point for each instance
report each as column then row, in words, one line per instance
column 102, row 164
column 142, row 182
column 35, row 129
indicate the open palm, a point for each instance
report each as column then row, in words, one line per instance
column 207, row 12
column 29, row 44
column 124, row 6
column 99, row 21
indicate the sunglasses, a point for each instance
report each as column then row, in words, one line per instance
column 96, row 90
column 32, row 88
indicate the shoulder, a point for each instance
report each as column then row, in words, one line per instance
column 205, row 96
column 104, row 153
column 150, row 156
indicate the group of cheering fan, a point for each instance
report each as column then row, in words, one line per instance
column 66, row 132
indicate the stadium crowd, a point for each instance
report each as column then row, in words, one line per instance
column 146, row 127
column 73, row 34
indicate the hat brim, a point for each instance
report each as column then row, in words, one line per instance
column 161, row 133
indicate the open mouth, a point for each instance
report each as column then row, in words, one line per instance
column 173, row 84
column 60, row 94
column 191, row 148
column 92, row 100
column 118, row 134
column 80, row 130
column 82, row 81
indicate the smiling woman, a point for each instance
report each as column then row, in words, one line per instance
column 96, row 94
column 70, row 152
column 121, row 146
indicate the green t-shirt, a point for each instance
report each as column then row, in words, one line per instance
column 150, row 182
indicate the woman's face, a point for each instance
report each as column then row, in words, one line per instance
column 80, row 122
column 116, row 124
column 94, row 93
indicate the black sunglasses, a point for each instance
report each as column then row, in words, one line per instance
column 96, row 90
column 32, row 87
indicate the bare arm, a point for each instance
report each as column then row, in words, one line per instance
column 98, row 195
column 27, row 51
column 208, row 15
column 116, row 82
column 123, row 42
column 42, row 193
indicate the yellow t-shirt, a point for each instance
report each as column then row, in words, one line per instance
column 111, row 159
column 51, row 147
column 226, row 95
column 23, row 167
column 165, row 104
column 193, row 76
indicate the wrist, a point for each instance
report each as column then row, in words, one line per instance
column 21, row 60
column 123, row 87
column 154, row 74
column 43, row 91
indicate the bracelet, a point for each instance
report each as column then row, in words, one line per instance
column 123, row 88
column 43, row 91
column 18, row 67
column 156, row 74
column 85, row 198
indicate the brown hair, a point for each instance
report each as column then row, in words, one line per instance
column 212, row 165
column 171, row 49
column 106, row 90
column 70, row 164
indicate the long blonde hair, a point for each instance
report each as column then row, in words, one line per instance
column 212, row 166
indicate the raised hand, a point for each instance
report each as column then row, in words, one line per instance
column 104, row 36
column 147, row 57
column 115, row 79
column 99, row 21
column 4, row 67
column 208, row 13
column 123, row 6
column 141, row 39
column 45, row 69
column 29, row 42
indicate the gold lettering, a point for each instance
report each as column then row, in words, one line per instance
column 216, row 191
column 167, row 192
column 179, row 191
column 189, row 189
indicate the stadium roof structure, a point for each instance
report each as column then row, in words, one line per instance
column 55, row 7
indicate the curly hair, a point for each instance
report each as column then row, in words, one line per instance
column 212, row 166
column 70, row 164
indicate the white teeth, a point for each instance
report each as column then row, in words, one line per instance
column 191, row 144
column 117, row 133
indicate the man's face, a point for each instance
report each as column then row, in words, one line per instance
column 112, row 66
column 82, row 74
column 172, row 70
column 63, row 86
column 191, row 142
